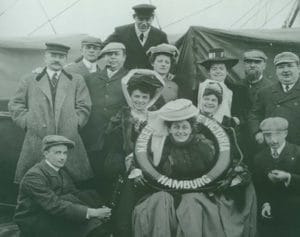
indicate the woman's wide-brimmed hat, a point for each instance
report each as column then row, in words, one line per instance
column 217, row 55
column 163, row 49
column 178, row 110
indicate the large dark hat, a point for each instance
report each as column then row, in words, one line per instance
column 147, row 81
column 145, row 10
column 217, row 55
column 57, row 48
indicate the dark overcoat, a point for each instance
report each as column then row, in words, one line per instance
column 136, row 53
column 32, row 109
column 107, row 99
column 284, row 200
column 274, row 102
column 50, row 205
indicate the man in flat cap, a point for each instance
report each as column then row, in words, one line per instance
column 277, row 178
column 107, row 99
column 52, row 102
column 87, row 64
column 254, row 65
column 139, row 36
column 280, row 99
column 48, row 203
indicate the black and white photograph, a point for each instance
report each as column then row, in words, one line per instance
column 149, row 118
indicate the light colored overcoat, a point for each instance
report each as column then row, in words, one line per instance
column 32, row 109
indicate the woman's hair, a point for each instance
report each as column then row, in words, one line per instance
column 216, row 62
column 172, row 58
column 192, row 122
column 214, row 89
column 143, row 87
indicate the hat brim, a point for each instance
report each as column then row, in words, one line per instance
column 285, row 61
column 229, row 62
column 173, row 116
column 70, row 145
column 57, row 51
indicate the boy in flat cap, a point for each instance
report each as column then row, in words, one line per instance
column 49, row 205
column 52, row 102
column 277, row 176
column 87, row 64
column 280, row 99
column 139, row 36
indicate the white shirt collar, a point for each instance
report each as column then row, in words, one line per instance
column 290, row 86
column 52, row 166
column 51, row 72
column 92, row 67
column 279, row 150
column 110, row 73
column 138, row 32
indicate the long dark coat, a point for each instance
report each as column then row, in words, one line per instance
column 32, row 109
column 274, row 102
column 107, row 99
column 284, row 201
column 50, row 205
column 136, row 53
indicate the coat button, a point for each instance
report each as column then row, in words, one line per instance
column 106, row 96
column 44, row 125
column 296, row 103
column 277, row 106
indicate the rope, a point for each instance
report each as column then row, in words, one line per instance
column 245, row 14
column 192, row 14
column 275, row 14
column 8, row 8
column 46, row 14
column 52, row 18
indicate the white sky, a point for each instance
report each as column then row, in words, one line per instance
column 99, row 17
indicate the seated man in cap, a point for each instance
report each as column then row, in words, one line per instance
column 280, row 99
column 139, row 36
column 277, row 176
column 52, row 102
column 87, row 64
column 107, row 99
column 49, row 205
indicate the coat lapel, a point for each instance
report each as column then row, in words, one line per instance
column 150, row 39
column 292, row 94
column 62, row 89
column 135, row 39
column 117, row 75
column 43, row 84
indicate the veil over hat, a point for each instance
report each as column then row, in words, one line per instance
column 143, row 77
column 217, row 55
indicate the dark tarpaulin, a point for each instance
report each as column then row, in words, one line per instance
column 194, row 46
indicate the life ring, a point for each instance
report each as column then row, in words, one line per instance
column 198, row 184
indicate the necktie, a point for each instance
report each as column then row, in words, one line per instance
column 142, row 37
column 54, row 80
column 287, row 88
column 275, row 154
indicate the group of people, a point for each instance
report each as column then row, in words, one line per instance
column 82, row 124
